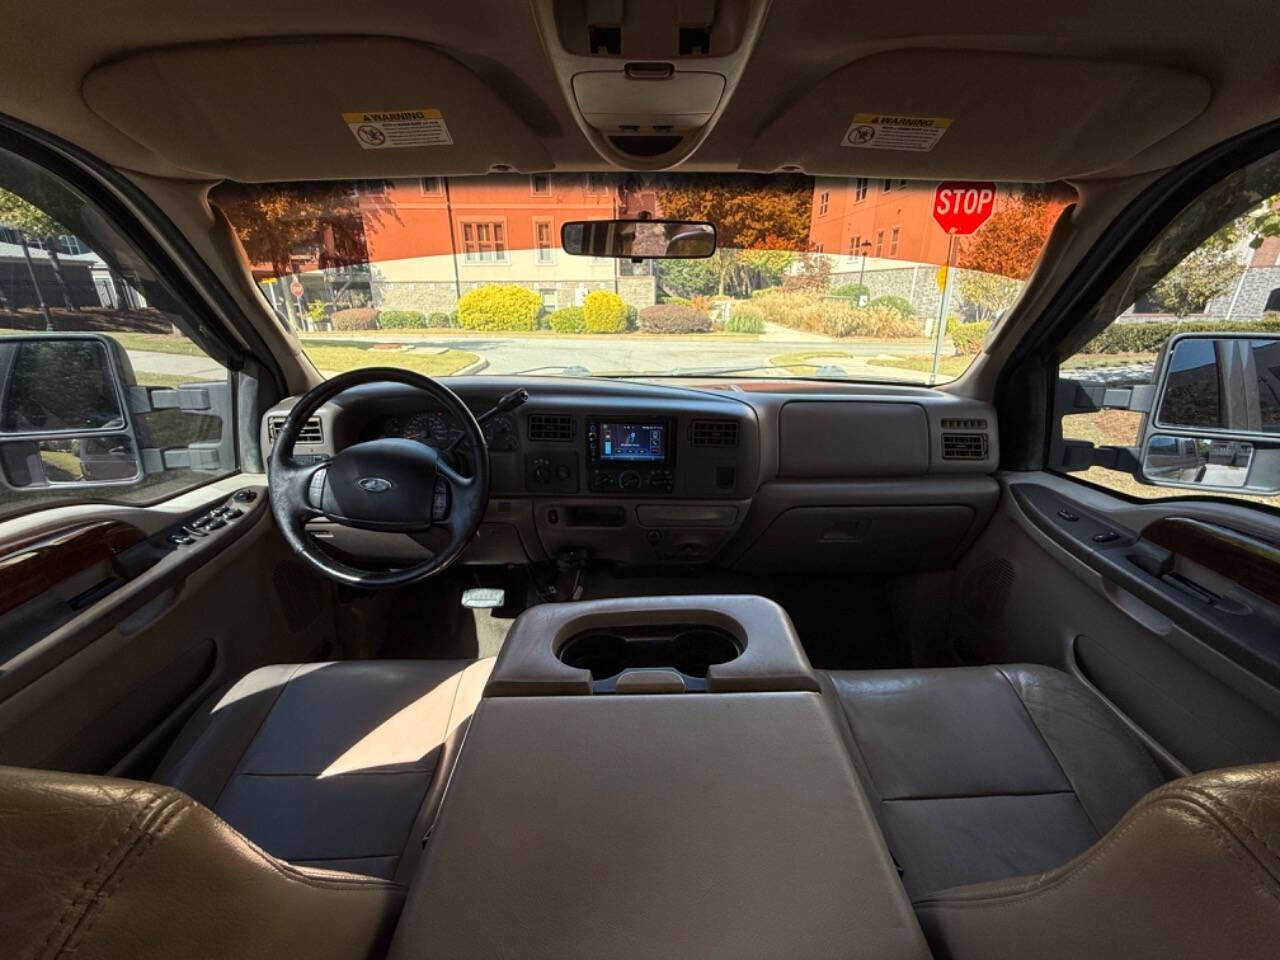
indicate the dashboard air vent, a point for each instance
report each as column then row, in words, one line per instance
column 974, row 424
column 311, row 431
column 550, row 428
column 714, row 433
column 964, row 446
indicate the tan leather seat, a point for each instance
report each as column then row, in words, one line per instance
column 335, row 765
column 984, row 773
column 94, row 867
column 1192, row 871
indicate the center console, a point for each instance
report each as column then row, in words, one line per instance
column 655, row 777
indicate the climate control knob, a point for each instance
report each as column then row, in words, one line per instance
column 629, row 480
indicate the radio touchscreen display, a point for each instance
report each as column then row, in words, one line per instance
column 630, row 442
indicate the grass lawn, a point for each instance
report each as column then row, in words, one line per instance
column 798, row 363
column 332, row 359
column 949, row 367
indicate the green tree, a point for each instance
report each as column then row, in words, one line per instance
column 758, row 219
column 987, row 293
column 687, row 278
column 1209, row 271
column 324, row 222
column 33, row 224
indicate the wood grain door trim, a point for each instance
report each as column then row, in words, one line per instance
column 32, row 565
column 1252, row 562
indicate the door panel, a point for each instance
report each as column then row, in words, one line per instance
column 108, row 685
column 1188, row 655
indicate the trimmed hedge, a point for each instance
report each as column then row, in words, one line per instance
column 440, row 319
column 604, row 312
column 359, row 318
column 967, row 337
column 402, row 319
column 854, row 291
column 894, row 302
column 745, row 318
column 673, row 318
column 568, row 320
column 1150, row 335
column 499, row 307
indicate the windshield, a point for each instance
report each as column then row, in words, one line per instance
column 835, row 278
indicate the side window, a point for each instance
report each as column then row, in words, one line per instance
column 1171, row 388
column 111, row 390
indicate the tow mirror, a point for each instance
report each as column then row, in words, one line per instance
column 1215, row 417
column 639, row 239
column 64, row 412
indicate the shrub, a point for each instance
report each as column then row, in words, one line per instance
column 967, row 337
column 1148, row 336
column 499, row 307
column 568, row 320
column 678, row 301
column 700, row 303
column 317, row 310
column 604, row 312
column 901, row 304
column 786, row 308
column 745, row 318
column 888, row 323
column 402, row 319
column 854, row 291
column 359, row 318
column 673, row 318
column 439, row 319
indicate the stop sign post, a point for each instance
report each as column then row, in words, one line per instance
column 960, row 207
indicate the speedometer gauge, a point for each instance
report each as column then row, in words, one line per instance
column 429, row 428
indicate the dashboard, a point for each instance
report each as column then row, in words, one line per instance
column 783, row 477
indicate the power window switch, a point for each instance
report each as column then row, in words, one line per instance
column 1109, row 536
column 180, row 540
column 1068, row 515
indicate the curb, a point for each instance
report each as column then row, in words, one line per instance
column 470, row 368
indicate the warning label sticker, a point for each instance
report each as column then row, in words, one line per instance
column 384, row 129
column 878, row 131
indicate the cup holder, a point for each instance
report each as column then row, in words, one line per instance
column 690, row 650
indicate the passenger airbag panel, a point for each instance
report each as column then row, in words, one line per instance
column 820, row 439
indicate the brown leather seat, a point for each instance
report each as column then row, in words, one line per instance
column 985, row 773
column 334, row 765
column 94, row 867
column 1192, row 871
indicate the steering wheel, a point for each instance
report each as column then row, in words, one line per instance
column 391, row 484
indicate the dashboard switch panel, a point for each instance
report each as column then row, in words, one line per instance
column 552, row 472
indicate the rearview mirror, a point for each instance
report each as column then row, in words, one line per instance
column 64, row 412
column 1215, row 421
column 639, row 239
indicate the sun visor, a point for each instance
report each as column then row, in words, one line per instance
column 321, row 109
column 932, row 114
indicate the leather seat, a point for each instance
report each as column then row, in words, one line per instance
column 330, row 765
column 97, row 868
column 984, row 773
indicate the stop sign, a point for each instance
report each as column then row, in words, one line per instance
column 296, row 288
column 962, row 206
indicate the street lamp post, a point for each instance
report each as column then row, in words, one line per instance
column 864, row 246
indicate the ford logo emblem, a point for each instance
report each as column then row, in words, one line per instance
column 374, row 484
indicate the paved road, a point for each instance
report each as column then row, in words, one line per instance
column 605, row 355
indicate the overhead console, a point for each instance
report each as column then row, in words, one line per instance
column 646, row 81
